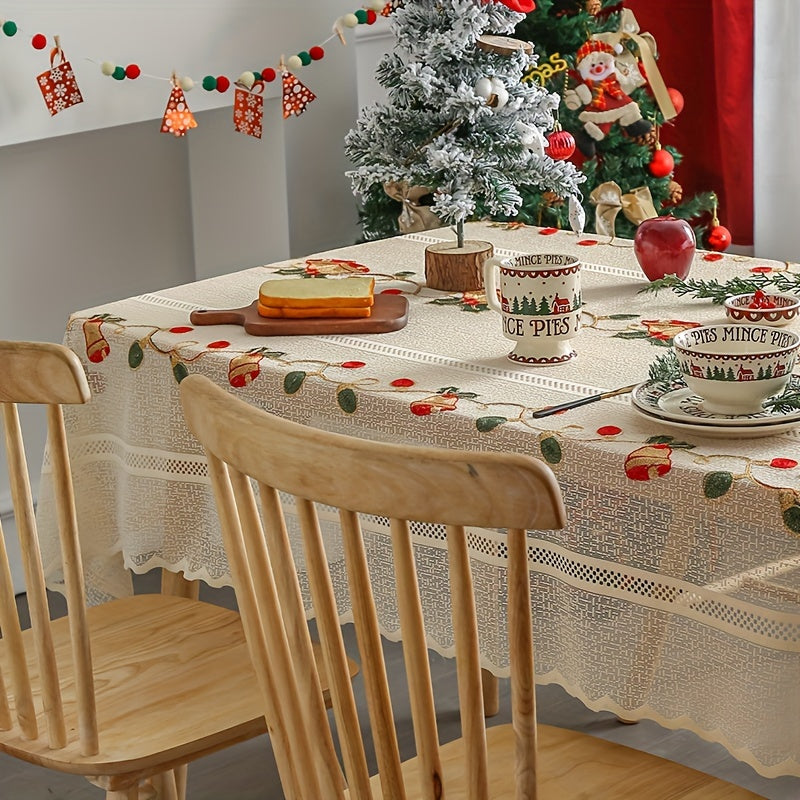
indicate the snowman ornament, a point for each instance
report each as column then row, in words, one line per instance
column 602, row 96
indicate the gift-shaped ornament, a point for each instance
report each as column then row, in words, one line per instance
column 295, row 96
column 248, row 110
column 58, row 85
column 177, row 117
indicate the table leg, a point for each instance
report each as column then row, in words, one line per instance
column 175, row 583
column 491, row 693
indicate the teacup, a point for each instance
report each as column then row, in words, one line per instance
column 540, row 304
column 735, row 367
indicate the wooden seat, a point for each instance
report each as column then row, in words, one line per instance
column 455, row 488
column 123, row 692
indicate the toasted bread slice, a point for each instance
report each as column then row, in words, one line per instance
column 304, row 313
column 352, row 292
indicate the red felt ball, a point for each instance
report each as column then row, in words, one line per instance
column 560, row 145
column 371, row 16
column 316, row 53
column 677, row 99
column 718, row 238
column 132, row 71
column 39, row 41
column 223, row 83
column 662, row 163
column 269, row 74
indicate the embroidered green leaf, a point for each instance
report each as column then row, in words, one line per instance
column 551, row 450
column 486, row 424
column 403, row 273
column 135, row 355
column 631, row 335
column 791, row 518
column 347, row 400
column 623, row 316
column 293, row 381
column 716, row 484
column 660, row 440
column 467, row 395
column 275, row 354
column 179, row 370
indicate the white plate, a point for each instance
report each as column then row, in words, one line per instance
column 723, row 431
column 679, row 403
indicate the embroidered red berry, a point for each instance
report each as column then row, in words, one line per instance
column 353, row 364
column 403, row 383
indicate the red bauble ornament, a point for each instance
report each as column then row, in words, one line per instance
column 662, row 163
column 677, row 99
column 560, row 145
column 523, row 6
column 718, row 238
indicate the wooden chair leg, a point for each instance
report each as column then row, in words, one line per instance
column 181, row 778
column 175, row 583
column 491, row 693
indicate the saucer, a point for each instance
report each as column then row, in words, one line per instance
column 712, row 431
column 678, row 403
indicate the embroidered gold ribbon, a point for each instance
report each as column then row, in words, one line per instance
column 413, row 216
column 648, row 52
column 636, row 205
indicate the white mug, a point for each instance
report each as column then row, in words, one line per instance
column 540, row 304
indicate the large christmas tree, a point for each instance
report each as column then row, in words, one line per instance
column 459, row 123
column 621, row 130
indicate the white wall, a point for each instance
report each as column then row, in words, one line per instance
column 115, row 211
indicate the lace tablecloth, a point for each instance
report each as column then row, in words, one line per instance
column 671, row 595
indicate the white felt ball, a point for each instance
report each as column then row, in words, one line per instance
column 294, row 62
column 483, row 88
column 246, row 79
column 107, row 68
column 350, row 20
column 187, row 84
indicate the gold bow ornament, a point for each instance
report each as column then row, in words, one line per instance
column 636, row 205
column 413, row 216
column 628, row 72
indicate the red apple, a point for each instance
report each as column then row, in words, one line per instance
column 664, row 246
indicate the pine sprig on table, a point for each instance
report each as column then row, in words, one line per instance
column 665, row 369
column 719, row 292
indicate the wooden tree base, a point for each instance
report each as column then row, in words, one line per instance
column 451, row 268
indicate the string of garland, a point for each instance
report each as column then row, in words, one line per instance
column 368, row 14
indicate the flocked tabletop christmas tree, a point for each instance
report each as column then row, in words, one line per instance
column 458, row 126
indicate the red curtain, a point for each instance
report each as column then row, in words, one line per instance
column 706, row 52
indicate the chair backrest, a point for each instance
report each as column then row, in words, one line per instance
column 49, row 375
column 248, row 447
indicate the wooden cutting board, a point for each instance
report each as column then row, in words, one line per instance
column 390, row 313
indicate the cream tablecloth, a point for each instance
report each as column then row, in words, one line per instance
column 671, row 595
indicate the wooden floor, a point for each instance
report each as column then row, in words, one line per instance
column 247, row 772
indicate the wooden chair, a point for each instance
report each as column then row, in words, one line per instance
column 123, row 693
column 247, row 446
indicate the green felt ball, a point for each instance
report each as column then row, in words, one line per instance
column 361, row 15
column 209, row 83
column 118, row 74
column 9, row 27
column 305, row 57
column 257, row 75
